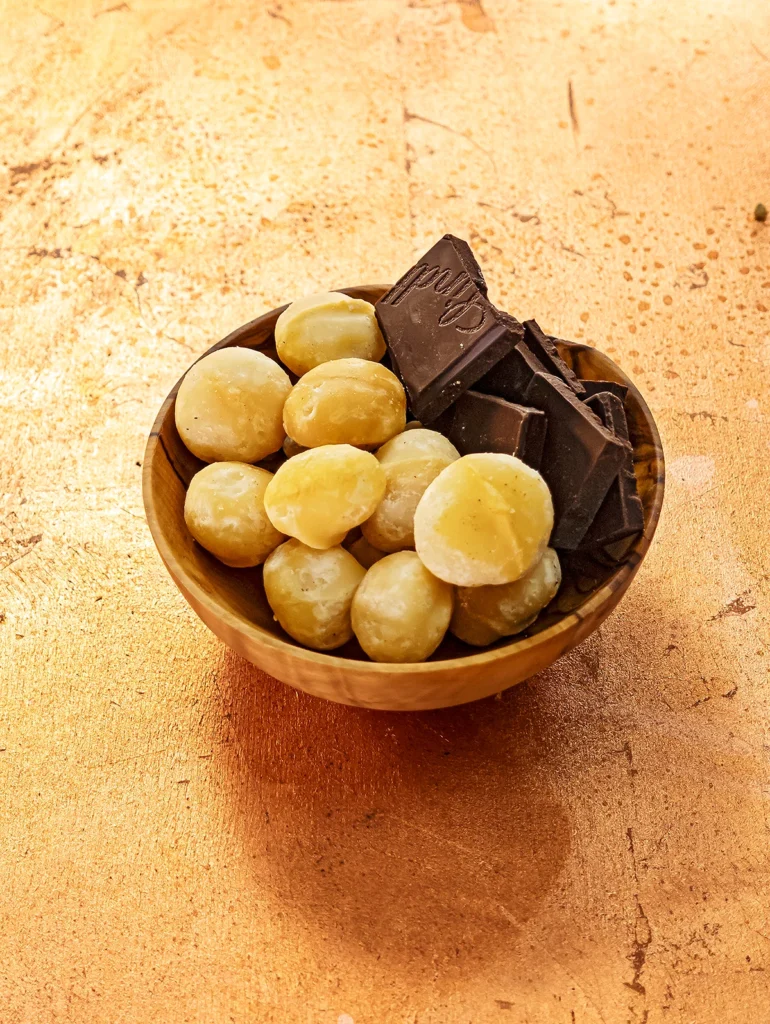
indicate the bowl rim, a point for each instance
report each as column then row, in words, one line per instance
column 567, row 623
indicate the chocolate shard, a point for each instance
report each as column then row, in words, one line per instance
column 596, row 387
column 541, row 346
column 609, row 408
column 484, row 423
column 580, row 460
column 618, row 551
column 511, row 377
column 442, row 331
column 621, row 514
column 465, row 255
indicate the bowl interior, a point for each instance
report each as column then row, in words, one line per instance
column 169, row 467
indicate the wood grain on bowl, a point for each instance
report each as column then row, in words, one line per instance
column 232, row 601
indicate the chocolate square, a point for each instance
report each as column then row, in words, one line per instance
column 511, row 377
column 542, row 347
column 580, row 459
column 442, row 331
column 484, row 423
column 621, row 514
column 596, row 387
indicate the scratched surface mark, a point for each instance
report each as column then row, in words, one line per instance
column 186, row 840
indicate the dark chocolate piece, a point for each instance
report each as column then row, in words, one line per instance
column 483, row 423
column 621, row 514
column 511, row 377
column 596, row 387
column 470, row 264
column 580, row 460
column 609, row 408
column 442, row 331
column 542, row 347
column 619, row 550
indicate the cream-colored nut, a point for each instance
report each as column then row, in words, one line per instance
column 484, row 614
column 229, row 407
column 364, row 553
column 346, row 401
column 417, row 444
column 320, row 494
column 401, row 611
column 411, row 461
column 328, row 326
column 310, row 592
column 485, row 519
column 224, row 510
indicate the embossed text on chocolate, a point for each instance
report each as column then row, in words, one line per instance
column 443, row 281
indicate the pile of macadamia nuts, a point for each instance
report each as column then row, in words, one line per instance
column 372, row 527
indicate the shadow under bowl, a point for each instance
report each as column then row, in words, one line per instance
column 232, row 602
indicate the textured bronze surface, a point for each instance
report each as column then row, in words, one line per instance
column 185, row 841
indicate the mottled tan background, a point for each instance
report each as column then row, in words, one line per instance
column 186, row 840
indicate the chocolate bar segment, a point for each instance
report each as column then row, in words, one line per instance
column 511, row 377
column 609, row 408
column 597, row 387
column 542, row 347
column 465, row 255
column 621, row 514
column 442, row 331
column 580, row 460
column 484, row 423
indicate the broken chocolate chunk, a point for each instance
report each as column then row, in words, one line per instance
column 621, row 514
column 581, row 458
column 511, row 377
column 542, row 347
column 484, row 423
column 442, row 331
column 610, row 411
column 465, row 255
column 596, row 387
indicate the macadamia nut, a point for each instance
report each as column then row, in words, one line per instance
column 310, row 592
column 401, row 611
column 484, row 614
column 318, row 328
column 411, row 461
column 229, row 407
column 225, row 512
column 485, row 519
column 346, row 401
column 320, row 494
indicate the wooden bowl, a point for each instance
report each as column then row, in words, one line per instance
column 232, row 601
